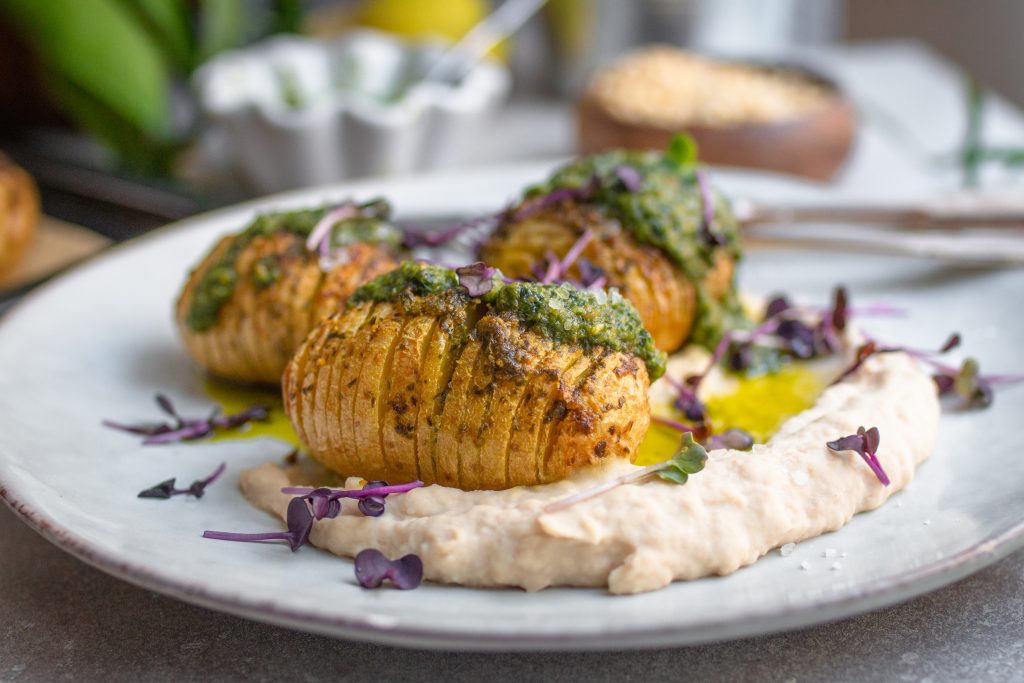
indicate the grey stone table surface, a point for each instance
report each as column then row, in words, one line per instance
column 63, row 620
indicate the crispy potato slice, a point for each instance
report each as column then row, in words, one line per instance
column 439, row 364
column 522, row 465
column 327, row 395
column 456, row 401
column 598, row 420
column 398, row 428
column 514, row 356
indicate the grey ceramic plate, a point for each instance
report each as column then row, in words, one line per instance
column 99, row 342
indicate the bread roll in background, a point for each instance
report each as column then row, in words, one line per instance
column 19, row 213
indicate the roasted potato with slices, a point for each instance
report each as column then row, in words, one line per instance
column 253, row 299
column 19, row 213
column 645, row 223
column 468, row 381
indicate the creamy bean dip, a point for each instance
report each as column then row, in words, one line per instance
column 641, row 537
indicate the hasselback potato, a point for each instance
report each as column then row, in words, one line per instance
column 643, row 222
column 253, row 299
column 19, row 213
column 465, row 380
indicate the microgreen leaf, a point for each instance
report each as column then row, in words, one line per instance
column 299, row 520
column 682, row 150
column 689, row 459
column 733, row 438
column 630, row 177
column 478, row 278
column 166, row 489
column 373, row 568
column 865, row 442
column 189, row 429
column 163, row 490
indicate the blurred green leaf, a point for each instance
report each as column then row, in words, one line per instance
column 287, row 16
column 221, row 26
column 95, row 46
column 133, row 146
column 168, row 22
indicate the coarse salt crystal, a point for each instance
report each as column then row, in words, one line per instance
column 805, row 565
column 787, row 549
column 830, row 552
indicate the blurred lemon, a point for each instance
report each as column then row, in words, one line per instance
column 449, row 19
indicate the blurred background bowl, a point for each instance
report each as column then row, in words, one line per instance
column 811, row 139
column 293, row 111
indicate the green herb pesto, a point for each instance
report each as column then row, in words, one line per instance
column 417, row 278
column 562, row 313
column 217, row 283
column 666, row 212
column 591, row 319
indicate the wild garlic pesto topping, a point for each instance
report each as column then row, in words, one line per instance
column 217, row 284
column 561, row 313
column 660, row 199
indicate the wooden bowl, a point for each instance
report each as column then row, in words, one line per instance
column 812, row 146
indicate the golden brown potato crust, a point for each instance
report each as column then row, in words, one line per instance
column 19, row 213
column 259, row 328
column 472, row 400
column 661, row 293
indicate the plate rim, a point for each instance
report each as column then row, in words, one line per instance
column 847, row 603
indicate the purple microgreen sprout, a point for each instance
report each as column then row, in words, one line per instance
column 865, row 443
column 686, row 401
column 688, row 459
column 630, row 177
column 477, row 278
column 166, row 489
column 355, row 493
column 974, row 389
column 733, row 438
column 872, row 347
column 374, row 505
column 373, row 568
column 189, row 429
column 672, row 424
column 557, row 270
column 776, row 305
column 591, row 275
column 707, row 198
column 319, row 239
column 299, row 521
column 412, row 238
column 863, row 352
column 322, row 504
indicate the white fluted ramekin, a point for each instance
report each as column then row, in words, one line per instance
column 296, row 111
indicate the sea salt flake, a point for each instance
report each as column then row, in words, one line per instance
column 787, row 549
column 836, row 566
column 830, row 553
column 805, row 565
column 927, row 522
